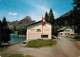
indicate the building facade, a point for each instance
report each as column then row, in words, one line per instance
column 39, row 30
column 65, row 32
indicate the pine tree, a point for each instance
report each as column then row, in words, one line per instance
column 47, row 16
column 0, row 32
column 5, row 31
column 52, row 21
column 76, row 4
column 76, row 13
column 51, row 17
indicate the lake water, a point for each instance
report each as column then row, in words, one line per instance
column 16, row 39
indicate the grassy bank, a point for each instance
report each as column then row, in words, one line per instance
column 77, row 39
column 2, row 49
column 20, row 55
column 41, row 43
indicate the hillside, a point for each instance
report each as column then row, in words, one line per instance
column 24, row 22
column 67, row 14
column 12, row 24
column 66, row 19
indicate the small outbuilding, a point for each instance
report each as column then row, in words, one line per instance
column 39, row 30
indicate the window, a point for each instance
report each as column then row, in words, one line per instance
column 44, row 36
column 24, row 42
column 61, row 33
column 68, row 33
column 68, row 30
column 72, row 30
column 65, row 30
column 32, row 30
column 65, row 33
column 38, row 30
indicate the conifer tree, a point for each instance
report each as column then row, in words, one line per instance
column 5, row 31
column 51, row 17
column 76, row 13
column 0, row 32
column 52, row 21
column 76, row 4
column 47, row 16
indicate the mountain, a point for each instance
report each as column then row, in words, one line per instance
column 66, row 19
column 24, row 22
column 12, row 24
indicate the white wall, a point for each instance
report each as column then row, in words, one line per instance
column 33, row 34
column 66, row 32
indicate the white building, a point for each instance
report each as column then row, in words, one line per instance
column 39, row 30
column 63, row 32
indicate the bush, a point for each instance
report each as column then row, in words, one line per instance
column 41, row 43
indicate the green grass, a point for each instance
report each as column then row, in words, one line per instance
column 41, row 43
column 28, row 56
column 20, row 55
column 77, row 39
column 17, row 55
column 2, row 49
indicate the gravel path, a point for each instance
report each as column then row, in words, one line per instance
column 64, row 48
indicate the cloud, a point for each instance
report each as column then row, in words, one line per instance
column 10, row 13
column 39, row 12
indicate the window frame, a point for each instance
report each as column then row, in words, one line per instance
column 38, row 30
column 44, row 36
column 61, row 34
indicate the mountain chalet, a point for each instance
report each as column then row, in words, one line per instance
column 65, row 31
column 39, row 30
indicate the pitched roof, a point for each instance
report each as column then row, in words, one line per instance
column 62, row 29
column 38, row 22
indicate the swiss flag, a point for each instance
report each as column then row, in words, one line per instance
column 43, row 20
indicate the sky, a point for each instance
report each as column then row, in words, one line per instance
column 18, row 9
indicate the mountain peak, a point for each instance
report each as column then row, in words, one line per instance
column 24, row 22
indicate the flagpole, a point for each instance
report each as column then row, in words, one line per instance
column 43, row 22
column 42, row 27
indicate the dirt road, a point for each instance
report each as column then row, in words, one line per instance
column 64, row 48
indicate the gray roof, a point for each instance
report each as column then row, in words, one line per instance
column 38, row 22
